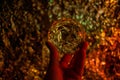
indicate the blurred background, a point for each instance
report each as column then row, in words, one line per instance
column 24, row 26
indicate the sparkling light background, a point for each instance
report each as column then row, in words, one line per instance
column 24, row 25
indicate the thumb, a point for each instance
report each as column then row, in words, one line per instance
column 54, row 55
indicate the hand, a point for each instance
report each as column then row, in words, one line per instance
column 70, row 67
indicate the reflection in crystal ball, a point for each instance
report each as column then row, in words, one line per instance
column 66, row 34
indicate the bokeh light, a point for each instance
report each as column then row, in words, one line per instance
column 24, row 30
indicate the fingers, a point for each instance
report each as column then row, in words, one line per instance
column 79, row 59
column 65, row 61
column 53, row 67
column 54, row 55
column 84, row 46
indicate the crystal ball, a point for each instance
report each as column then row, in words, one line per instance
column 66, row 35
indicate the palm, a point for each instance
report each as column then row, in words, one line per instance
column 69, row 68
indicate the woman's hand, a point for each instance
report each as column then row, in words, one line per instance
column 70, row 67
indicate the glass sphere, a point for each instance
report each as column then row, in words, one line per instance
column 66, row 34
